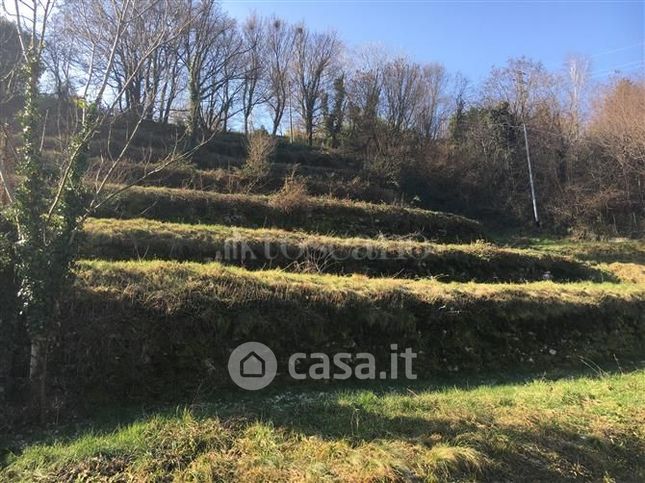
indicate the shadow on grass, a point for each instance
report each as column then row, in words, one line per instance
column 516, row 449
column 513, row 452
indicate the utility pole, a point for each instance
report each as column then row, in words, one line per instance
column 290, row 114
column 523, row 93
column 528, row 160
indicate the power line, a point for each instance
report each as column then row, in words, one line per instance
column 615, row 69
column 618, row 49
column 553, row 66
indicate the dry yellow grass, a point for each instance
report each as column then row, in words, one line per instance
column 626, row 272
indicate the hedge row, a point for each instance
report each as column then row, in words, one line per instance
column 260, row 248
column 319, row 215
column 150, row 328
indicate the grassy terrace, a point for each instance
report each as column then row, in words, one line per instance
column 115, row 239
column 586, row 428
column 339, row 184
column 144, row 328
column 625, row 272
column 621, row 250
column 321, row 215
column 100, row 270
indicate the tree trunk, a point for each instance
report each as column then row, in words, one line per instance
column 193, row 110
column 38, row 375
column 5, row 363
column 277, row 119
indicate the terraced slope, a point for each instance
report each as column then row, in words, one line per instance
column 319, row 181
column 152, row 318
column 147, row 325
column 318, row 215
column 114, row 239
column 590, row 309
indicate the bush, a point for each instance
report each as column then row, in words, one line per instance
column 292, row 195
column 260, row 147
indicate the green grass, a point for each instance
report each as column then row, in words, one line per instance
column 259, row 248
column 585, row 428
column 320, row 215
column 608, row 251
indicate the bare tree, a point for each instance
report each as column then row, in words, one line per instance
column 524, row 84
column 171, row 78
column 280, row 44
column 314, row 62
column 364, row 92
column 11, row 61
column 433, row 106
column 254, row 66
column 58, row 57
column 212, row 56
column 458, row 101
column 403, row 91
column 577, row 79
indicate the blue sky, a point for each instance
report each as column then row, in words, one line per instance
column 472, row 36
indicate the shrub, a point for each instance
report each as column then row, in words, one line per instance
column 386, row 168
column 292, row 195
column 260, row 147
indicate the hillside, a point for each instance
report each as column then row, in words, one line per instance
column 195, row 260
column 236, row 247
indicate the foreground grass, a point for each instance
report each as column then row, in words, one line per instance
column 573, row 429
column 115, row 239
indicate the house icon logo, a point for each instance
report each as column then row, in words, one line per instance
column 252, row 366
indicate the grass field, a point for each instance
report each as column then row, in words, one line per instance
column 583, row 429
